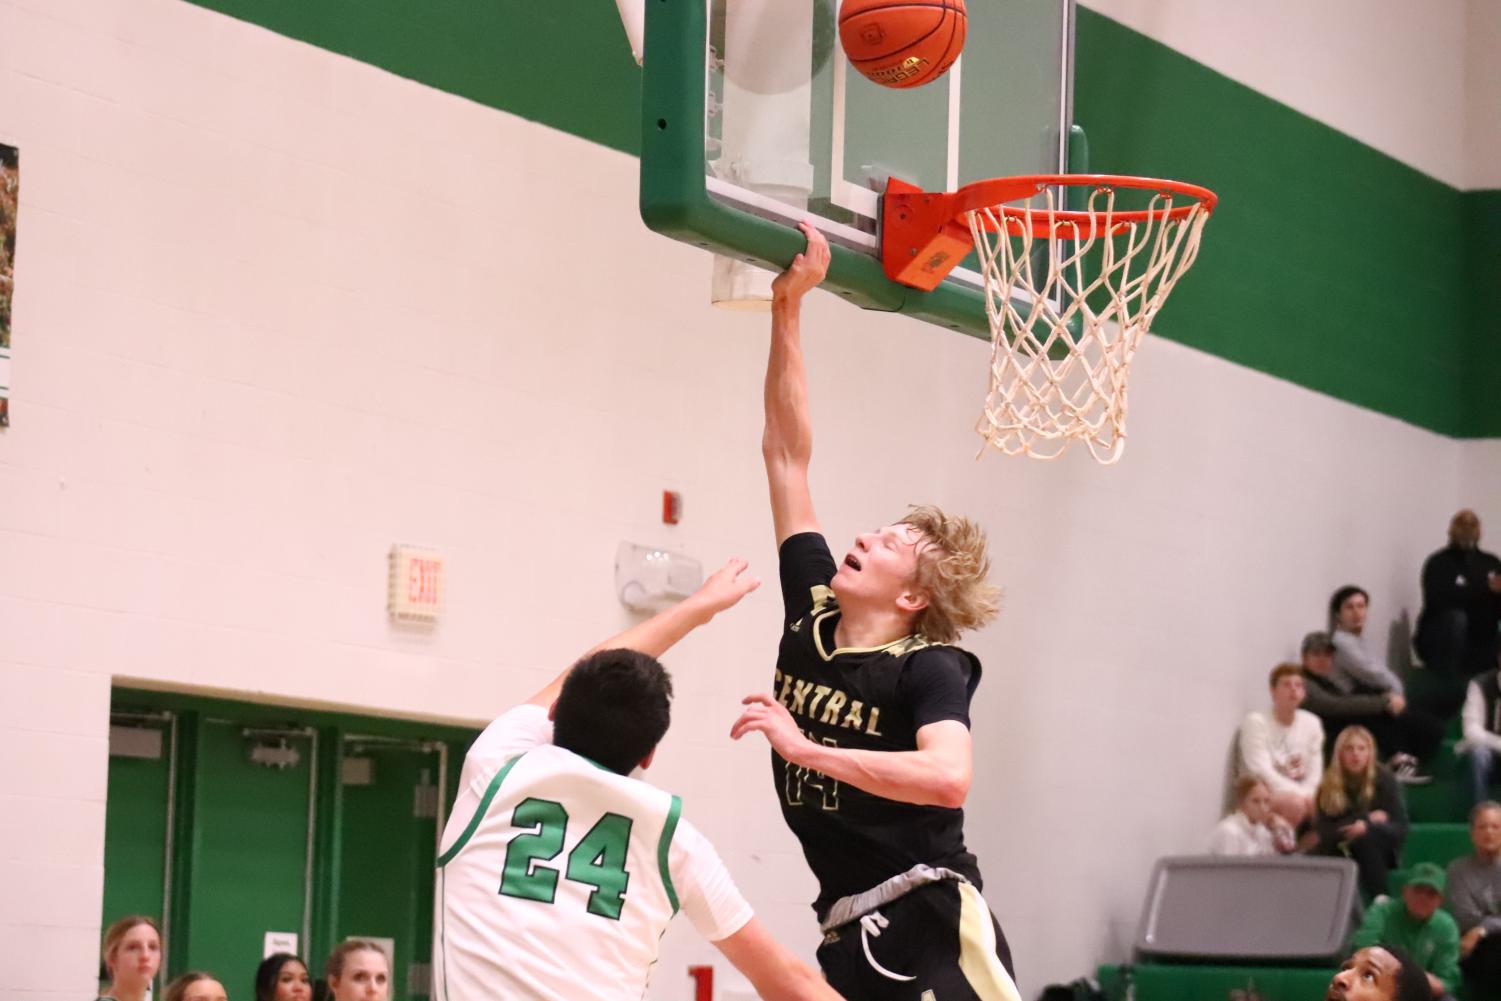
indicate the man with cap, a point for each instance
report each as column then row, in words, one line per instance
column 1340, row 700
column 1379, row 974
column 1415, row 924
column 1457, row 627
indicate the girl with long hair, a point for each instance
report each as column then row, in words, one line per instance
column 132, row 954
column 1359, row 810
column 358, row 970
column 283, row 977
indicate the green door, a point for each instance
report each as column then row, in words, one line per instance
column 252, row 838
column 136, row 816
column 227, row 821
column 388, row 844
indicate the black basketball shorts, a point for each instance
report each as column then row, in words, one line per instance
column 938, row 943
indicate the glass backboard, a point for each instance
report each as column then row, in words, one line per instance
column 753, row 120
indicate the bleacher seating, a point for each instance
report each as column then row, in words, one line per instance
column 1439, row 834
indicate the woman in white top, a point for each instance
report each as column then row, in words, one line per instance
column 1245, row 832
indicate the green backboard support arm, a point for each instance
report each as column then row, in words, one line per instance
column 675, row 200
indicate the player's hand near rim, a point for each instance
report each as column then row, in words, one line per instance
column 807, row 269
column 936, row 774
column 723, row 589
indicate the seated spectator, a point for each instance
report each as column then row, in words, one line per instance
column 1456, row 632
column 132, row 954
column 282, row 977
column 358, row 970
column 1360, row 812
column 1415, row 924
column 1285, row 747
column 1378, row 973
column 1336, row 699
column 1481, row 718
column 1404, row 732
column 1249, row 830
column 195, row 986
column 1475, row 900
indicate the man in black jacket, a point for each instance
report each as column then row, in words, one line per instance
column 1456, row 632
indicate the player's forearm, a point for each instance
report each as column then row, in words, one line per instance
column 662, row 631
column 924, row 778
column 795, row 982
column 655, row 636
column 788, row 437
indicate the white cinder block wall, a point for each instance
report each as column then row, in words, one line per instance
column 277, row 310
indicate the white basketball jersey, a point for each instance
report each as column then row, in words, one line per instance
column 558, row 886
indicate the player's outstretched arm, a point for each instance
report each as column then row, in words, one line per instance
column 723, row 589
column 938, row 773
column 787, row 443
column 772, row 969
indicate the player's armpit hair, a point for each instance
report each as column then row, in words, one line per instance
column 952, row 570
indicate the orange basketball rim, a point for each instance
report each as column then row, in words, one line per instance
column 924, row 235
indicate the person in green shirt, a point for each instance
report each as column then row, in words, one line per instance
column 1416, row 925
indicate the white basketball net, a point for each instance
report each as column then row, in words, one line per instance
column 1058, row 367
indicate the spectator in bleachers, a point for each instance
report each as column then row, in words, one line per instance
column 358, row 970
column 1481, row 719
column 1247, row 831
column 132, row 954
column 1475, row 900
column 1457, row 626
column 195, row 986
column 1285, row 747
column 1405, row 733
column 1360, row 811
column 282, row 977
column 1337, row 700
column 1378, row 973
column 1415, row 924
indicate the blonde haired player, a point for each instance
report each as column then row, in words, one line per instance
column 869, row 717
column 560, row 872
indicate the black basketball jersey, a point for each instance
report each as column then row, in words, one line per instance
column 871, row 699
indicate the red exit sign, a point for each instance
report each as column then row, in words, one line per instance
column 415, row 588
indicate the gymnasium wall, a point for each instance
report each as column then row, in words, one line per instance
column 278, row 309
column 1364, row 122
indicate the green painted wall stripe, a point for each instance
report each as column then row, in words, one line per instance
column 1482, row 212
column 564, row 63
column 1328, row 263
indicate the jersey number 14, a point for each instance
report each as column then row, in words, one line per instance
column 598, row 860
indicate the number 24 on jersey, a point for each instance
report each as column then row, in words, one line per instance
column 598, row 860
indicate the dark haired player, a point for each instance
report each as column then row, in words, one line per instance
column 1380, row 974
column 869, row 718
column 560, row 872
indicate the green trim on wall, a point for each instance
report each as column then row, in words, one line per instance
column 1482, row 213
column 563, row 63
column 1328, row 264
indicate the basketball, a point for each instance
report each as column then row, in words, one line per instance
column 902, row 43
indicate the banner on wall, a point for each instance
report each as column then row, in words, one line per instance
column 10, row 186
